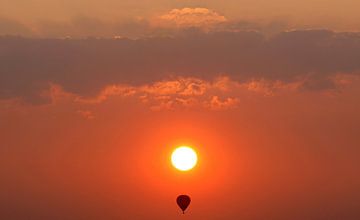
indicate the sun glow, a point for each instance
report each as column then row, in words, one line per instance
column 184, row 158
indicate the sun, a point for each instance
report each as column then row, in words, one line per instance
column 184, row 158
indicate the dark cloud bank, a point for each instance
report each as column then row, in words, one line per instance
column 84, row 66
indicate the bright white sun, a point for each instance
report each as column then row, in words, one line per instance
column 184, row 158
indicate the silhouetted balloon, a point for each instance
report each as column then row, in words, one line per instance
column 183, row 202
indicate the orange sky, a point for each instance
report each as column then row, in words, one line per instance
column 94, row 96
column 285, row 156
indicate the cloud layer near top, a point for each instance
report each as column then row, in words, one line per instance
column 86, row 66
column 161, row 24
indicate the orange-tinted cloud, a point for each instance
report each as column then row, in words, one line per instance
column 193, row 17
column 217, row 104
column 221, row 93
column 86, row 114
column 173, row 93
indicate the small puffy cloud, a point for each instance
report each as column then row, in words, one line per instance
column 86, row 114
column 182, row 86
column 217, row 103
column 193, row 17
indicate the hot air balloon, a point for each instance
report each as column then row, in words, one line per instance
column 183, row 202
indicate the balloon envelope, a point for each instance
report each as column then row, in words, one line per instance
column 183, row 202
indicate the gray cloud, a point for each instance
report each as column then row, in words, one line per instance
column 12, row 27
column 84, row 66
column 82, row 27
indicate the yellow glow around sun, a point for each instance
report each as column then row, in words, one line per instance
column 184, row 158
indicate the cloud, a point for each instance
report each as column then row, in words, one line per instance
column 169, row 24
column 86, row 66
column 217, row 104
column 270, row 88
column 193, row 17
column 86, row 114
column 220, row 93
column 172, row 94
column 13, row 27
column 83, row 27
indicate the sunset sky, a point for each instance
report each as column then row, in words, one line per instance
column 95, row 96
